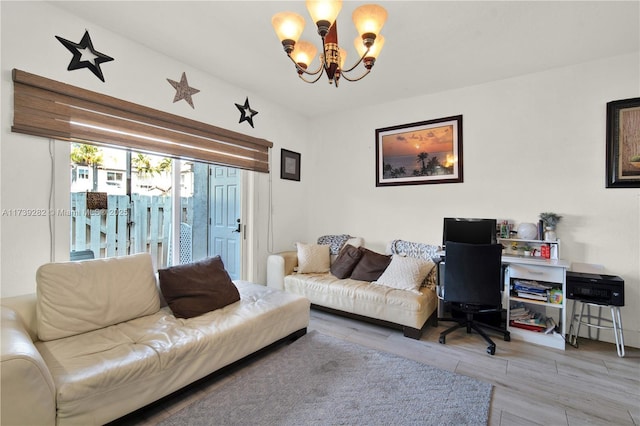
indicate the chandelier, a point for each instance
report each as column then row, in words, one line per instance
column 368, row 19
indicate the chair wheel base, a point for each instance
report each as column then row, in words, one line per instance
column 507, row 337
column 442, row 339
column 491, row 350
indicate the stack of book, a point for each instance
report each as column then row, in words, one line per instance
column 531, row 290
column 520, row 317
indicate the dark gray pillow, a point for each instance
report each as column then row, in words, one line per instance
column 371, row 266
column 195, row 288
column 347, row 259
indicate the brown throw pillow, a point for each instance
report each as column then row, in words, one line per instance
column 371, row 266
column 195, row 288
column 347, row 259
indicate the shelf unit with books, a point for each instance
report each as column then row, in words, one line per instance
column 536, row 321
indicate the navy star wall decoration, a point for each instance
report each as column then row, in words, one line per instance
column 246, row 112
column 85, row 55
column 183, row 91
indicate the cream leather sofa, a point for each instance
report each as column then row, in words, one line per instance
column 407, row 310
column 89, row 354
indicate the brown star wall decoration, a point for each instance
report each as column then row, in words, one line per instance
column 84, row 55
column 183, row 91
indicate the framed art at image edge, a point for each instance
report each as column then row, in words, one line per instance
column 425, row 152
column 289, row 165
column 623, row 143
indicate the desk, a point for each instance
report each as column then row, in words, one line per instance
column 552, row 272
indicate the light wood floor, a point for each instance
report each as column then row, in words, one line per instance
column 533, row 385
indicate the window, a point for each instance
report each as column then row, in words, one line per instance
column 141, row 220
column 114, row 176
column 51, row 109
column 138, row 216
column 83, row 173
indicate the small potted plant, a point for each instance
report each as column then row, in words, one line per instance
column 526, row 250
column 550, row 221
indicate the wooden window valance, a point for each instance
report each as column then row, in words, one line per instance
column 49, row 108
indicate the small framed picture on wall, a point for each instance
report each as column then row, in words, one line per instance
column 289, row 165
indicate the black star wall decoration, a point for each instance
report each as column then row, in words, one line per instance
column 246, row 112
column 183, row 91
column 84, row 55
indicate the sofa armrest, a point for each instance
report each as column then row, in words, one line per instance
column 25, row 307
column 280, row 265
column 28, row 391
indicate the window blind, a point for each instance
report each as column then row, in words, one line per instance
column 48, row 108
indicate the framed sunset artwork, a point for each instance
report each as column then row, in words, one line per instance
column 426, row 152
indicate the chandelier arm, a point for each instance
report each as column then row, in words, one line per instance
column 310, row 81
column 355, row 79
column 300, row 69
column 357, row 63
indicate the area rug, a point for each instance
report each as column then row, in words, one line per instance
column 321, row 380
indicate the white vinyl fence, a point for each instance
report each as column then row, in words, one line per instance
column 142, row 224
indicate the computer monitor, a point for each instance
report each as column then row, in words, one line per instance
column 470, row 231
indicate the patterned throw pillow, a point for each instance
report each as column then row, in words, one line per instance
column 405, row 273
column 417, row 250
column 335, row 242
column 313, row 258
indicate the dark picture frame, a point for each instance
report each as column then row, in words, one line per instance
column 426, row 152
column 289, row 165
column 623, row 143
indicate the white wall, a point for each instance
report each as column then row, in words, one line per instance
column 138, row 75
column 531, row 144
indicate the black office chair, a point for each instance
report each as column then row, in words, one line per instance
column 473, row 285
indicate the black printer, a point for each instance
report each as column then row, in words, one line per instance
column 595, row 288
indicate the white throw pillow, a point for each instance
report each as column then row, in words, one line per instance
column 313, row 258
column 405, row 273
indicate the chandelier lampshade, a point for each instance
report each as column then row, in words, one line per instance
column 324, row 13
column 369, row 57
column 303, row 53
column 368, row 20
column 288, row 27
column 343, row 58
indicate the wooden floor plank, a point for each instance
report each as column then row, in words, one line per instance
column 523, row 404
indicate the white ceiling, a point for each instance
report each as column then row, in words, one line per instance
column 431, row 46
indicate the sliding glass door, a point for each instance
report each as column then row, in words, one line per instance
column 122, row 202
